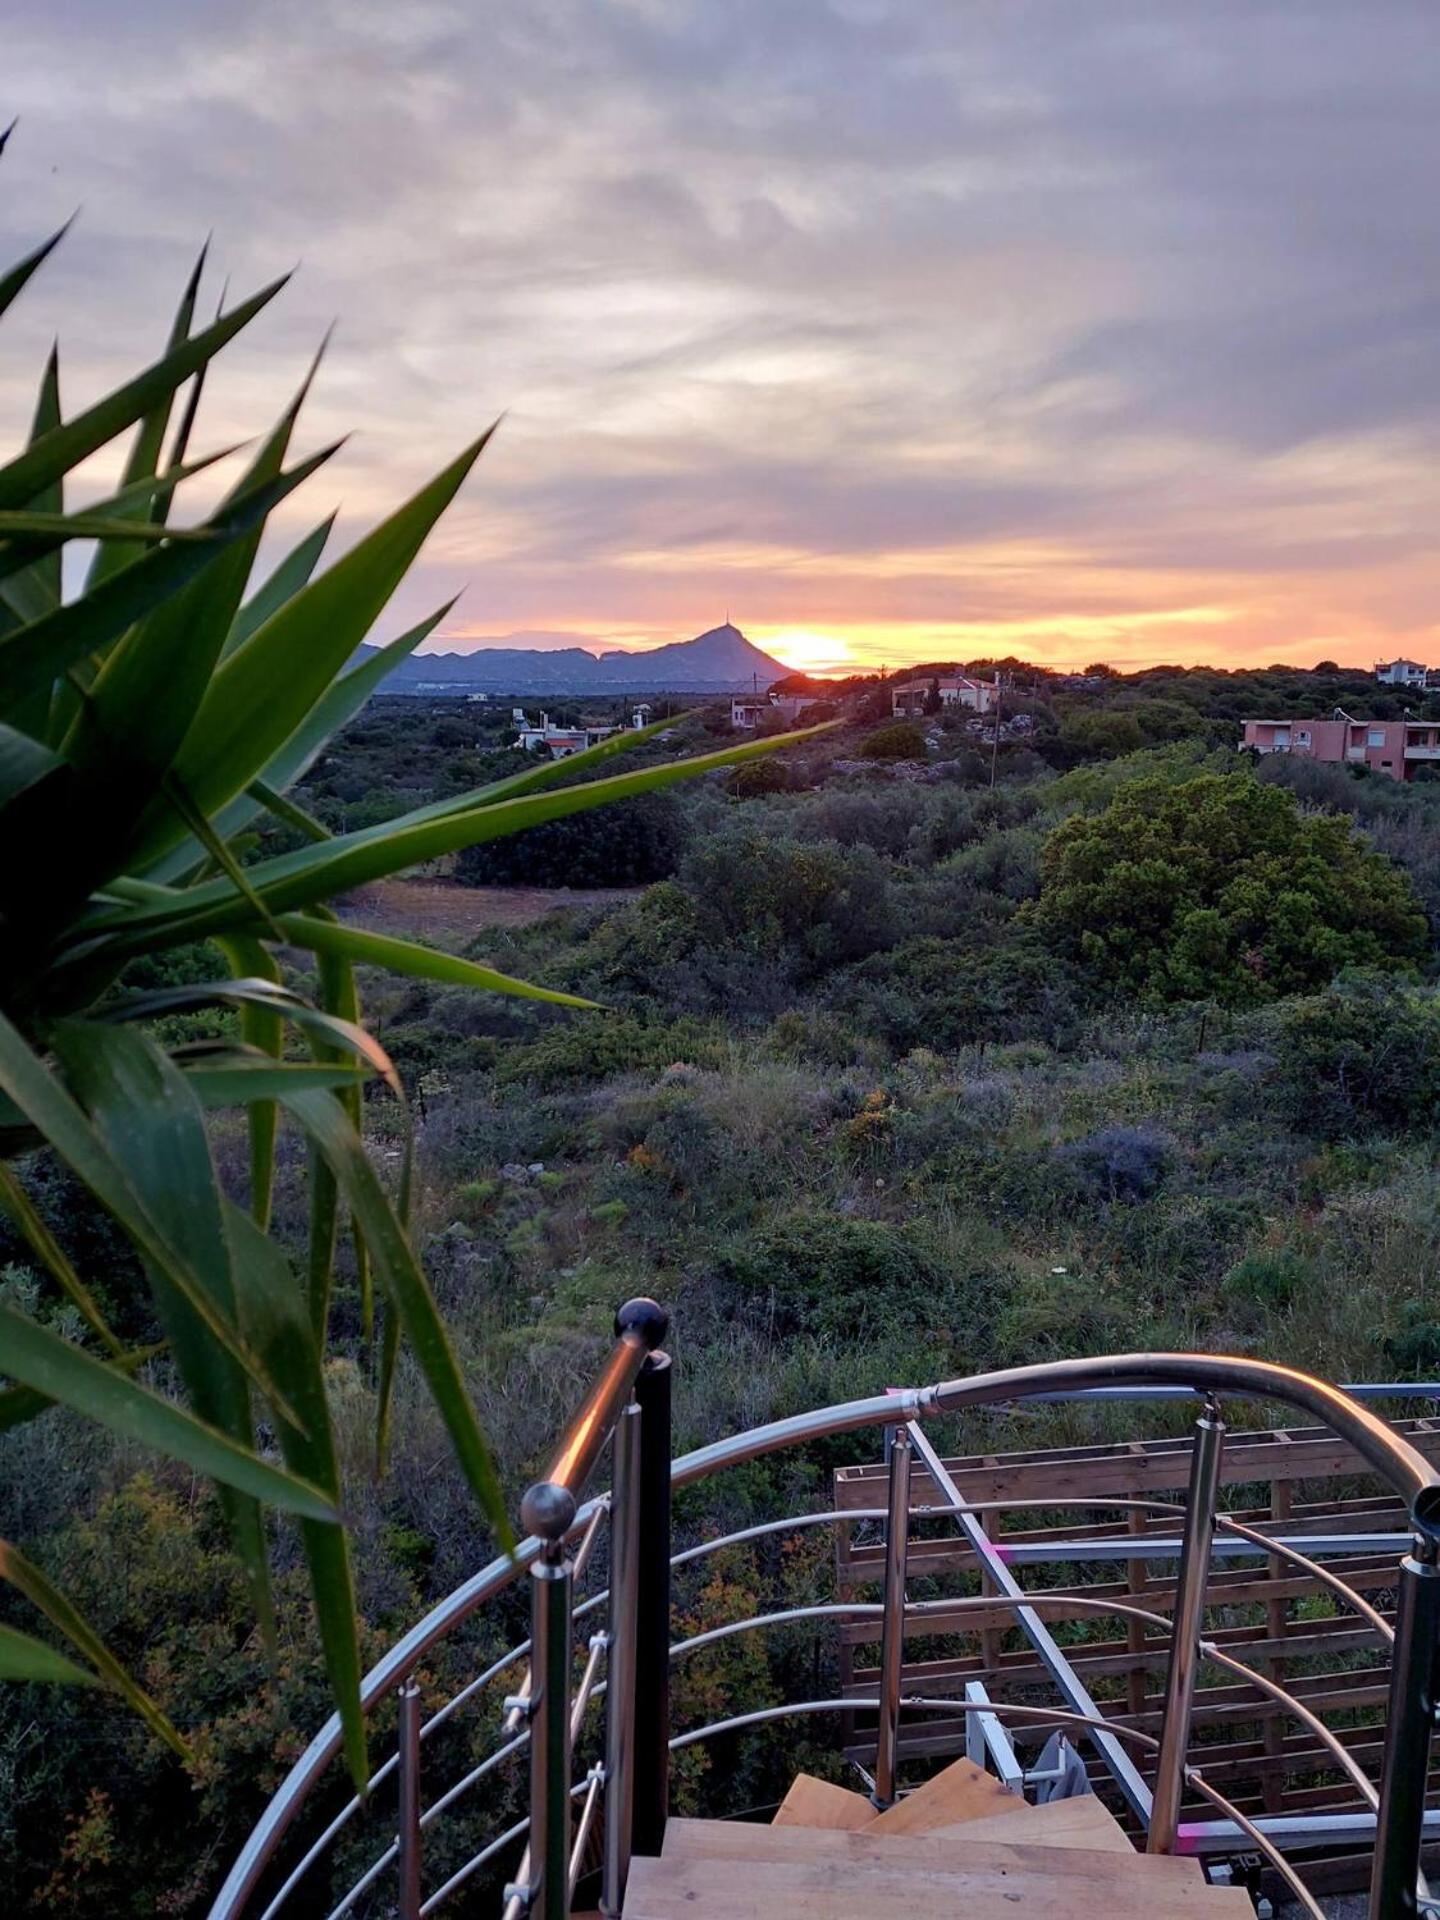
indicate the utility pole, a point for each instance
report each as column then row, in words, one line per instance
column 995, row 736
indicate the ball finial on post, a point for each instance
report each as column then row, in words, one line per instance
column 548, row 1510
column 645, row 1318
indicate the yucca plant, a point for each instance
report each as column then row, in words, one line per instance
column 148, row 722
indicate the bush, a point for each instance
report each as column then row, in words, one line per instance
column 629, row 844
column 581, row 1052
column 1364, row 1052
column 941, row 993
column 1221, row 888
column 816, row 905
column 1263, row 1286
column 820, row 1273
column 901, row 740
column 1413, row 1350
column 1120, row 1164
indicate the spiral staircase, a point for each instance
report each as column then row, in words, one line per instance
column 960, row 1844
column 1140, row 1830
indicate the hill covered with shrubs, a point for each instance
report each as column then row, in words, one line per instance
column 900, row 1074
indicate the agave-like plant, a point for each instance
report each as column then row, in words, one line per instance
column 147, row 723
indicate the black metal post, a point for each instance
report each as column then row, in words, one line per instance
column 652, row 1610
column 1409, row 1728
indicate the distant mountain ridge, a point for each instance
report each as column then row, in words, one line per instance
column 719, row 661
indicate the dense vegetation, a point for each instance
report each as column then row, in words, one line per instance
column 904, row 1074
column 154, row 710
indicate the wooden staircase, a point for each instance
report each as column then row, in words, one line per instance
column 960, row 1844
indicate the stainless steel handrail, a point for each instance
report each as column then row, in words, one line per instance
column 918, row 1610
column 1399, row 1464
column 640, row 1327
column 1391, row 1456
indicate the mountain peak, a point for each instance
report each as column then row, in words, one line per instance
column 720, row 660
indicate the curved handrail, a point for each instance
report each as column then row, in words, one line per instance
column 1045, row 1603
column 1388, row 1454
column 1391, row 1456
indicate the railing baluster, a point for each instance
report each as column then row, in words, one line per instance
column 1409, row 1728
column 548, row 1511
column 408, row 1793
column 652, row 1610
column 892, row 1630
column 1186, row 1624
column 620, row 1670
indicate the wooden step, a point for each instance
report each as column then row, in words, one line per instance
column 927, row 1853
column 1081, row 1822
column 818, row 1803
column 961, row 1791
column 840, row 1888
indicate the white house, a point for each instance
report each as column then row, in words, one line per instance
column 751, row 710
column 561, row 742
column 956, row 690
column 1402, row 673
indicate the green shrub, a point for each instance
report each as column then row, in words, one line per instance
column 1413, row 1350
column 901, row 740
column 1265, row 1286
column 1365, row 1052
column 821, row 1273
column 629, row 844
column 1221, row 888
column 592, row 1050
column 938, row 993
column 812, row 905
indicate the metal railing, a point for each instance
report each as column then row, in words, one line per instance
column 622, row 1799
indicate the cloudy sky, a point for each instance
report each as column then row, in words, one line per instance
column 897, row 329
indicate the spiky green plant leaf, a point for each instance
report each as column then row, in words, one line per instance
column 38, row 1358
column 22, row 1657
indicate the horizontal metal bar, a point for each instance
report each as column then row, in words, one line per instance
column 1317, row 1546
column 1122, row 1768
column 478, row 1860
column 1292, row 1830
column 1357, row 1390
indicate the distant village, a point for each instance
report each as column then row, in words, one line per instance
column 1394, row 748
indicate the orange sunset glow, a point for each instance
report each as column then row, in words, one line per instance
column 896, row 332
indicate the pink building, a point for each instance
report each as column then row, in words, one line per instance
column 1392, row 747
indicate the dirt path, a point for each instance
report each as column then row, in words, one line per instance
column 440, row 911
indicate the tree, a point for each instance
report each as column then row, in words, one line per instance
column 149, row 724
column 933, row 702
column 1101, row 733
column 629, row 844
column 901, row 740
column 1222, row 888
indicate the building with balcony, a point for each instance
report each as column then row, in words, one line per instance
column 1402, row 673
column 751, row 711
column 1396, row 748
column 907, row 700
